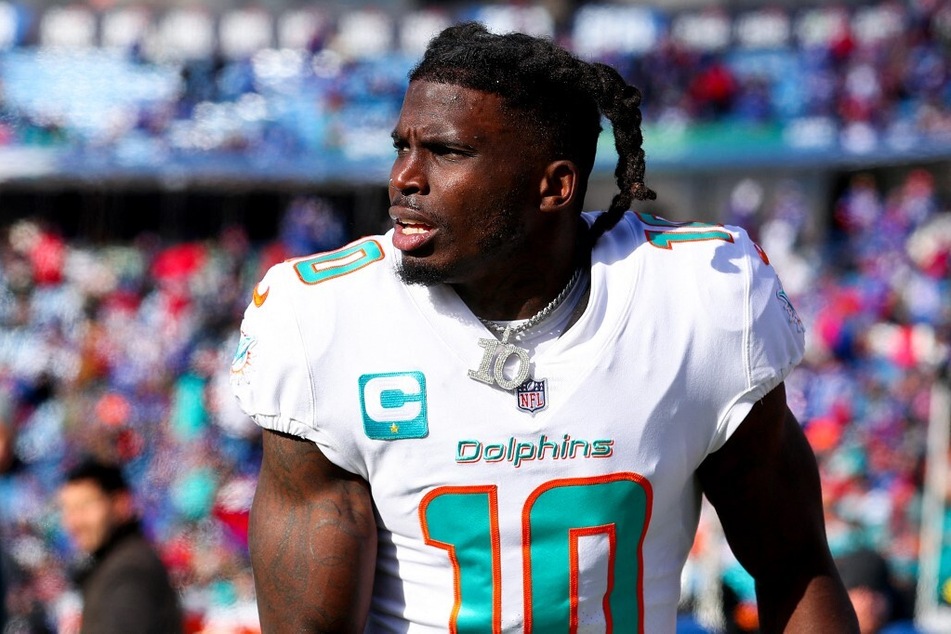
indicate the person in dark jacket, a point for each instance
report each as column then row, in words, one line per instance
column 125, row 586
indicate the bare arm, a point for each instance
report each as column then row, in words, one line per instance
column 764, row 485
column 312, row 541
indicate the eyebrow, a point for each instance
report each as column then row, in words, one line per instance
column 438, row 139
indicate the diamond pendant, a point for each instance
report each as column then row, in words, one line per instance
column 495, row 356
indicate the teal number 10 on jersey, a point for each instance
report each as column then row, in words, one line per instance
column 582, row 544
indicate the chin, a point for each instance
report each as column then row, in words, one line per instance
column 86, row 545
column 416, row 271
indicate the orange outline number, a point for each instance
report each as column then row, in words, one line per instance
column 326, row 266
column 556, row 517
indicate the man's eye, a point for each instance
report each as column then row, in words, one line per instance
column 447, row 151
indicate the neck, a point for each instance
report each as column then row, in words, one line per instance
column 525, row 288
column 120, row 532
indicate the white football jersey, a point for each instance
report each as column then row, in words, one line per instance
column 567, row 505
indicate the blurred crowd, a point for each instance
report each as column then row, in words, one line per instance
column 122, row 351
column 875, row 295
column 837, row 77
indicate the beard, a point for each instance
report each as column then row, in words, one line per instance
column 506, row 236
column 419, row 271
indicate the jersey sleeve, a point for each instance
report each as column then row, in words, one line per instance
column 773, row 337
column 270, row 372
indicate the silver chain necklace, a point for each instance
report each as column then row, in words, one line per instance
column 497, row 352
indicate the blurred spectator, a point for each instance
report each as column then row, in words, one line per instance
column 712, row 90
column 877, row 601
column 311, row 225
column 6, row 437
column 125, row 586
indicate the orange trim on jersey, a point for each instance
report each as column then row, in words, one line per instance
column 527, row 536
column 257, row 297
column 495, row 537
column 574, row 573
column 649, row 491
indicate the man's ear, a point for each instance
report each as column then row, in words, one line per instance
column 559, row 186
column 123, row 506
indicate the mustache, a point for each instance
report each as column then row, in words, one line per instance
column 399, row 200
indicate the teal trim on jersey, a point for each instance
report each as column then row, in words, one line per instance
column 657, row 221
column 791, row 313
column 321, row 268
column 394, row 405
column 555, row 516
column 462, row 522
column 664, row 239
column 242, row 354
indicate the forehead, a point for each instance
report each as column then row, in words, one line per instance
column 80, row 491
column 437, row 108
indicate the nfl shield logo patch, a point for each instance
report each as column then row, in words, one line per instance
column 531, row 396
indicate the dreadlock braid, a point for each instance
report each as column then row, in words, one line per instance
column 560, row 96
column 620, row 103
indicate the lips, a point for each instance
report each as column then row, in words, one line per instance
column 410, row 237
column 411, row 231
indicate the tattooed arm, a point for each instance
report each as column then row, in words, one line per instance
column 312, row 541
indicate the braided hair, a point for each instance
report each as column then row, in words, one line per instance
column 560, row 96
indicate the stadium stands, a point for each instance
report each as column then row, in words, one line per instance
column 129, row 91
column 122, row 348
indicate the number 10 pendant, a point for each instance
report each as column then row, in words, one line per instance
column 494, row 358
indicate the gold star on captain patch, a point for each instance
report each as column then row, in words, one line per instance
column 394, row 428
